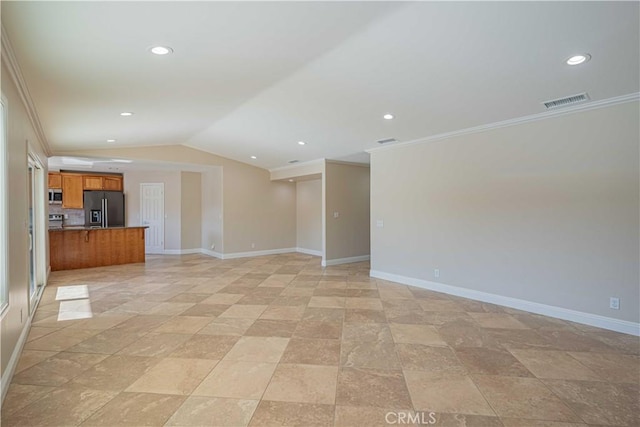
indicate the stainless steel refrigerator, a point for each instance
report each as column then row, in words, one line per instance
column 104, row 209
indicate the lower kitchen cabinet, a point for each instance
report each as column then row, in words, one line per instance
column 95, row 247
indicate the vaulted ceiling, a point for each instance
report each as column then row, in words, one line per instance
column 254, row 78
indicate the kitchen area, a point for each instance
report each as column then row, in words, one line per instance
column 87, row 222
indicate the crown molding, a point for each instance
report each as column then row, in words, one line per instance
column 517, row 121
column 317, row 162
column 9, row 58
column 342, row 162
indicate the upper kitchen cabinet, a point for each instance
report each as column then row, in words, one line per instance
column 108, row 183
column 112, row 183
column 72, row 191
column 92, row 182
column 55, row 180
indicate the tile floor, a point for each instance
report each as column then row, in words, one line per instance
column 278, row 340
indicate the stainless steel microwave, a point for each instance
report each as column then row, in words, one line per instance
column 55, row 197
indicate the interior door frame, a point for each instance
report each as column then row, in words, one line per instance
column 142, row 185
column 40, row 222
column 4, row 210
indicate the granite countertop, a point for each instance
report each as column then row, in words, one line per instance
column 82, row 227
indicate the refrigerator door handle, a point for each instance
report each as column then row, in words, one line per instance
column 106, row 215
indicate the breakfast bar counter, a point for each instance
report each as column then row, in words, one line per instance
column 84, row 247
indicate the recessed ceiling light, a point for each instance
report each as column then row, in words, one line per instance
column 126, row 114
column 388, row 116
column 290, row 180
column 121, row 161
column 301, row 143
column 161, row 50
column 253, row 157
column 578, row 59
column 111, row 140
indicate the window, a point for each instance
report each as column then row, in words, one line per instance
column 4, row 279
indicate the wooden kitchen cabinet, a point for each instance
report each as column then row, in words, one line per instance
column 112, row 183
column 85, row 248
column 72, row 191
column 55, row 180
column 92, row 182
column 107, row 183
column 73, row 185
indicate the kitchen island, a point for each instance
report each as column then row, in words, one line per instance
column 84, row 247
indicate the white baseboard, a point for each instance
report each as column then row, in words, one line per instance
column 211, row 253
column 258, row 253
column 182, row 251
column 7, row 375
column 349, row 260
column 309, row 251
column 158, row 252
column 234, row 255
column 596, row 320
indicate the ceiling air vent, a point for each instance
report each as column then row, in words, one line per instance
column 294, row 161
column 566, row 101
column 386, row 141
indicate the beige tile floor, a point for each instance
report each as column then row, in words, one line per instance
column 278, row 340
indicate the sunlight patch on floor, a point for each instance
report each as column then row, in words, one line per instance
column 75, row 303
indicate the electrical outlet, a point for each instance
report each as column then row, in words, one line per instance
column 436, row 273
column 253, row 246
column 213, row 246
column 380, row 223
column 614, row 303
column 336, row 214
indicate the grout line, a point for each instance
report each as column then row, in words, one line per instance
column 171, row 273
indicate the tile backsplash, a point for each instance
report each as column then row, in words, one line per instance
column 71, row 216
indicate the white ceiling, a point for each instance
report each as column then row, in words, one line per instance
column 119, row 165
column 251, row 78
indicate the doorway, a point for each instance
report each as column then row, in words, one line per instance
column 36, row 229
column 152, row 216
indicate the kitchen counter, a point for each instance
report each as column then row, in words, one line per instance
column 85, row 247
column 82, row 227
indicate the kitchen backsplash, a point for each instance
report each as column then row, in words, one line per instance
column 71, row 216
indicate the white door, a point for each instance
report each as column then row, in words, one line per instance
column 152, row 216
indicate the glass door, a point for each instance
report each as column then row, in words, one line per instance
column 4, row 276
column 36, row 220
column 32, row 233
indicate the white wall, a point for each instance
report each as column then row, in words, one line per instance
column 258, row 214
column 346, row 192
column 545, row 211
column 20, row 135
column 212, row 210
column 191, row 211
column 309, row 215
column 256, row 210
